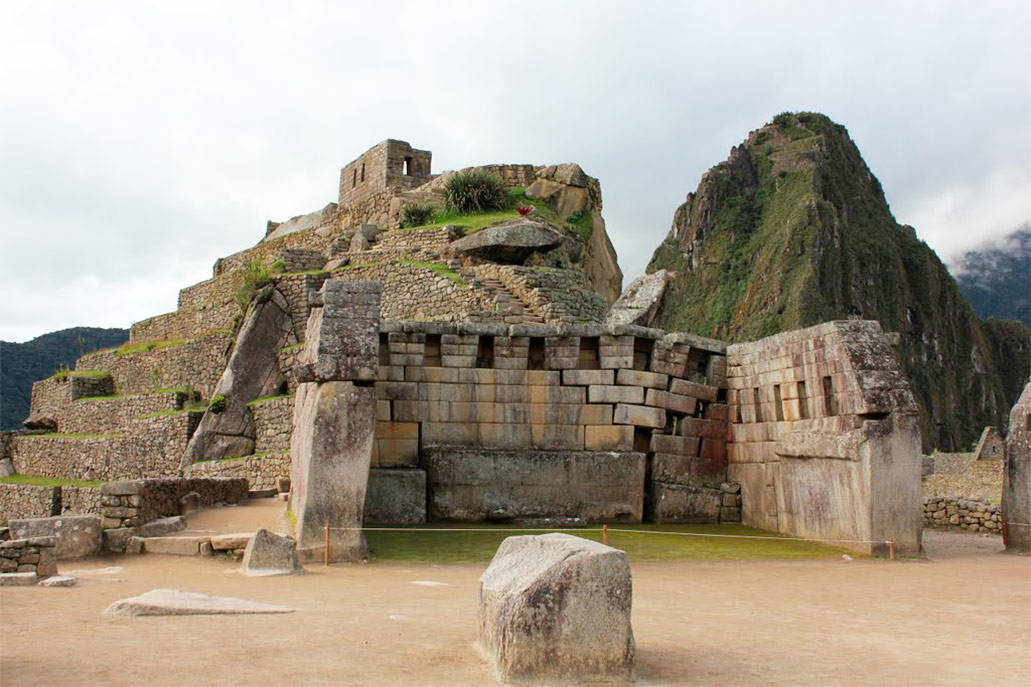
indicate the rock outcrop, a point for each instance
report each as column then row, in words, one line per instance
column 555, row 609
column 509, row 242
column 640, row 301
column 227, row 429
column 793, row 230
column 268, row 553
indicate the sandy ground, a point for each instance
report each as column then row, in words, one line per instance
column 961, row 618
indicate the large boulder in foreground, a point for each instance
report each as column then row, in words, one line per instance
column 555, row 609
column 268, row 553
column 1016, row 478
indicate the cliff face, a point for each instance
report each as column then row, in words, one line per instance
column 792, row 230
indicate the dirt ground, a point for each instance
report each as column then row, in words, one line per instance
column 961, row 618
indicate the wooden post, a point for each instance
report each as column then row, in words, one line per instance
column 605, row 534
column 891, row 549
column 327, row 544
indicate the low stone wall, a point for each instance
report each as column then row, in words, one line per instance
column 106, row 415
column 188, row 323
column 76, row 536
column 31, row 555
column 262, row 472
column 136, row 502
column 953, row 512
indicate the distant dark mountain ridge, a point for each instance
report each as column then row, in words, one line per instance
column 21, row 364
column 996, row 279
column 793, row 229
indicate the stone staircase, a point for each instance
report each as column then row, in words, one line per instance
column 514, row 309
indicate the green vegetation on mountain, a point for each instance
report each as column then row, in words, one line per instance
column 792, row 230
column 23, row 363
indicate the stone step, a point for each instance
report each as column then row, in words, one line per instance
column 177, row 546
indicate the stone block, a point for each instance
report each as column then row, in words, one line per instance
column 676, row 445
column 555, row 609
column 395, row 497
column 230, row 542
column 18, row 579
column 268, row 553
column 639, row 416
column 58, row 581
column 682, row 503
column 76, row 536
column 609, row 438
column 615, row 394
column 702, row 392
column 670, row 401
column 175, row 546
column 588, row 377
column 651, row 380
column 397, row 453
column 557, row 437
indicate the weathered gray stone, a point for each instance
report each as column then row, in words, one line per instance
column 175, row 602
column 342, row 335
column 229, row 542
column 510, row 242
column 555, row 609
column 116, row 539
column 18, row 579
column 58, row 581
column 991, row 445
column 252, row 372
column 1016, row 478
column 268, row 553
column 44, row 422
column 683, row 503
column 640, row 300
column 395, row 497
column 475, row 484
column 331, row 449
column 75, row 535
column 189, row 503
column 176, row 546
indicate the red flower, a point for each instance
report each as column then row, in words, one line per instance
column 524, row 209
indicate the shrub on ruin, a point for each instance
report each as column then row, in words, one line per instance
column 416, row 215
column 475, row 191
column 217, row 404
column 256, row 276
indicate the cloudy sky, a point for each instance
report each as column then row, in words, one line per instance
column 140, row 141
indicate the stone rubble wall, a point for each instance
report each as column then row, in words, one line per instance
column 31, row 501
column 318, row 238
column 188, row 323
column 196, row 364
column 953, row 512
column 110, row 415
column 823, row 429
column 151, row 447
column 560, row 296
column 30, row 555
column 262, row 471
column 136, row 502
column 295, row 288
column 273, row 420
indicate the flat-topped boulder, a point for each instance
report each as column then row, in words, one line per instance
column 268, row 553
column 555, row 609
column 511, row 241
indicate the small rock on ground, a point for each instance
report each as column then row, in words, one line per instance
column 175, row 602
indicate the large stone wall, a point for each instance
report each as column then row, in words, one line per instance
column 391, row 164
column 966, row 514
column 823, row 436
column 130, row 503
column 262, row 471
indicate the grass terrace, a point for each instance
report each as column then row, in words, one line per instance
column 65, row 373
column 40, row 481
column 71, row 435
column 147, row 346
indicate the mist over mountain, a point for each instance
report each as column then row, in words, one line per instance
column 996, row 278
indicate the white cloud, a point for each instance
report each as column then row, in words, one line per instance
column 140, row 141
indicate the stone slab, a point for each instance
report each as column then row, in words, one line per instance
column 174, row 602
column 18, row 579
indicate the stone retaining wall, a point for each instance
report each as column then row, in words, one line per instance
column 262, row 472
column 273, row 420
column 136, row 502
column 959, row 513
column 109, row 415
column 31, row 501
column 197, row 364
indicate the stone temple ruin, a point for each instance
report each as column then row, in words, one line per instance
column 451, row 372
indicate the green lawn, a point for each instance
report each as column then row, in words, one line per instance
column 38, row 481
column 479, row 547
